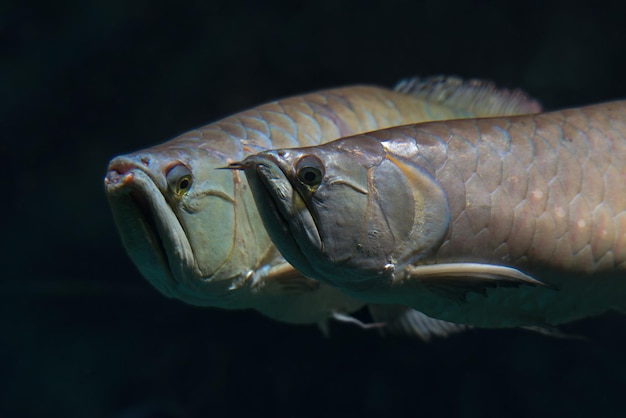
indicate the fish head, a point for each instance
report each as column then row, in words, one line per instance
column 346, row 212
column 184, row 223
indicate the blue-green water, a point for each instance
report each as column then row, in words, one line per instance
column 83, row 335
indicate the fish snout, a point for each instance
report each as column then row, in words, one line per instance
column 122, row 171
column 117, row 178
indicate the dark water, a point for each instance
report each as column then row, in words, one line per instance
column 83, row 335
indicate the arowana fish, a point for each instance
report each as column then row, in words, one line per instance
column 494, row 222
column 194, row 232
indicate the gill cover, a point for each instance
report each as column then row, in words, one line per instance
column 375, row 211
column 199, row 195
column 218, row 216
column 347, row 211
column 190, row 250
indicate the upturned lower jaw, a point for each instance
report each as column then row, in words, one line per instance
column 136, row 221
column 271, row 190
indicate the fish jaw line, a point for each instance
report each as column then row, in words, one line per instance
column 150, row 230
column 274, row 195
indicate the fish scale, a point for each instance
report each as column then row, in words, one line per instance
column 204, row 243
column 516, row 221
column 571, row 152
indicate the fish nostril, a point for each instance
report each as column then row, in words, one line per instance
column 118, row 169
column 145, row 161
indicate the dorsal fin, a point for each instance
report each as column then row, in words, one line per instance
column 482, row 98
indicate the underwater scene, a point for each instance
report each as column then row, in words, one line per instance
column 209, row 277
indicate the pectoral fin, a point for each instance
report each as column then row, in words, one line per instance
column 402, row 320
column 284, row 279
column 455, row 280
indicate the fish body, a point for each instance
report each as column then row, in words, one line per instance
column 493, row 222
column 194, row 232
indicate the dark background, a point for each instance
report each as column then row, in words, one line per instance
column 83, row 335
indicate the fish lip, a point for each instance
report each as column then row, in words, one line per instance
column 135, row 200
column 260, row 166
column 268, row 190
column 263, row 170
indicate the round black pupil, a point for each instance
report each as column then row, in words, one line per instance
column 184, row 183
column 309, row 175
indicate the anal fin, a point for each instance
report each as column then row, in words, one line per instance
column 402, row 320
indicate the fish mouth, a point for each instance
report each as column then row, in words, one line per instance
column 285, row 216
column 150, row 231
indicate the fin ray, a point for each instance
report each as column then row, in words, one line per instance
column 479, row 97
column 456, row 280
column 402, row 320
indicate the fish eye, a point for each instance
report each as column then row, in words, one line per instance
column 179, row 179
column 310, row 170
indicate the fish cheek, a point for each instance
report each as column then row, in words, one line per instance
column 388, row 219
column 340, row 212
column 210, row 229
